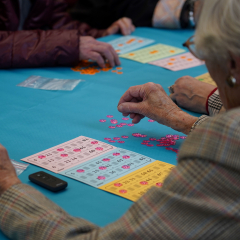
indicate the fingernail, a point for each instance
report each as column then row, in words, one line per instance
column 120, row 108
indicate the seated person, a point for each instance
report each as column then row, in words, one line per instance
column 200, row 197
column 50, row 37
column 110, row 14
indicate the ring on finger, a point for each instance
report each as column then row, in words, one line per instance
column 171, row 89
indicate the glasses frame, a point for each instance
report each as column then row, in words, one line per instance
column 188, row 43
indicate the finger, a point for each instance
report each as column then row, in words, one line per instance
column 115, row 56
column 129, row 25
column 132, row 115
column 132, row 92
column 137, row 118
column 172, row 96
column 93, row 32
column 97, row 58
column 123, row 27
column 131, row 107
column 114, row 28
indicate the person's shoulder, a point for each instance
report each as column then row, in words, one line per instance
column 217, row 139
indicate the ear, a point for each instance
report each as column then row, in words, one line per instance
column 234, row 66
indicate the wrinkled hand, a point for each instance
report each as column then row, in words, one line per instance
column 124, row 25
column 191, row 94
column 8, row 176
column 97, row 51
column 151, row 100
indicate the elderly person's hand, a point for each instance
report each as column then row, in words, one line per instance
column 151, row 100
column 97, row 51
column 124, row 25
column 8, row 176
column 191, row 94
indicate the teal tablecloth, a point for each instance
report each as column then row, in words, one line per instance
column 33, row 120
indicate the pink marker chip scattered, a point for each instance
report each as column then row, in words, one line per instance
column 123, row 124
column 149, row 145
column 137, row 134
column 80, row 170
column 77, row 150
column 106, row 159
column 99, row 148
column 152, row 139
column 150, row 120
column 125, row 167
column 102, row 120
column 144, row 183
column 41, row 156
column 160, row 145
column 183, row 137
column 101, row 177
column 64, row 155
column 125, row 118
column 130, row 124
column 109, row 116
column 124, row 136
column 94, row 142
column 113, row 121
column 102, row 168
column 117, row 184
column 123, row 191
column 121, row 141
column 60, row 149
column 159, row 184
column 119, row 126
column 125, row 157
column 111, row 127
column 143, row 135
column 112, row 141
column 116, row 138
column 116, row 154
column 107, row 139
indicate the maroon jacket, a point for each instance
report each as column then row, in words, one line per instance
column 50, row 37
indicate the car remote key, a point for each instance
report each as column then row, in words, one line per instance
column 48, row 181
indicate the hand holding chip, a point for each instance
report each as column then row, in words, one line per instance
column 151, row 100
column 8, row 176
column 124, row 25
column 191, row 94
column 90, row 48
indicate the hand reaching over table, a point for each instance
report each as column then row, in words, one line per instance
column 151, row 100
column 8, row 176
column 97, row 51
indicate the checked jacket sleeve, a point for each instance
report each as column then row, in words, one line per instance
column 199, row 199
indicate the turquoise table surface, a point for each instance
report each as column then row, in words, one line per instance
column 33, row 120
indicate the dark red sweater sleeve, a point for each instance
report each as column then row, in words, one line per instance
column 36, row 48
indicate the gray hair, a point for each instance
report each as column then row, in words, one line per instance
column 218, row 31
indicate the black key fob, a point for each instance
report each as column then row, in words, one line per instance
column 48, row 181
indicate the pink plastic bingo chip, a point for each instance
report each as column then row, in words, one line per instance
column 143, row 135
column 159, row 184
column 149, row 145
column 125, row 167
column 169, row 148
column 112, row 141
column 60, row 149
column 109, row 116
column 119, row 126
column 137, row 134
column 64, row 155
column 116, row 138
column 111, row 127
column 183, row 137
column 116, row 154
column 77, row 150
column 102, row 168
column 169, row 136
column 106, row 160
column 124, row 136
column 117, row 184
column 125, row 157
column 123, row 191
column 107, row 139
column 102, row 120
column 94, row 142
column 123, row 124
column 41, row 156
column 144, row 143
column 150, row 120
column 121, row 141
column 144, row 183
column 80, row 171
column 101, row 177
column 125, row 118
column 160, row 145
column 113, row 121
column 152, row 139
column 99, row 148
column 130, row 124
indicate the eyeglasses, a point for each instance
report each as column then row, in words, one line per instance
column 191, row 47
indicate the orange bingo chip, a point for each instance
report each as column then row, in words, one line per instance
column 119, row 68
column 140, row 41
column 189, row 59
column 117, row 51
column 119, row 72
column 154, row 51
column 130, row 41
column 172, row 51
column 131, row 54
column 170, row 63
column 183, row 57
column 114, row 71
column 172, row 59
column 120, row 45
